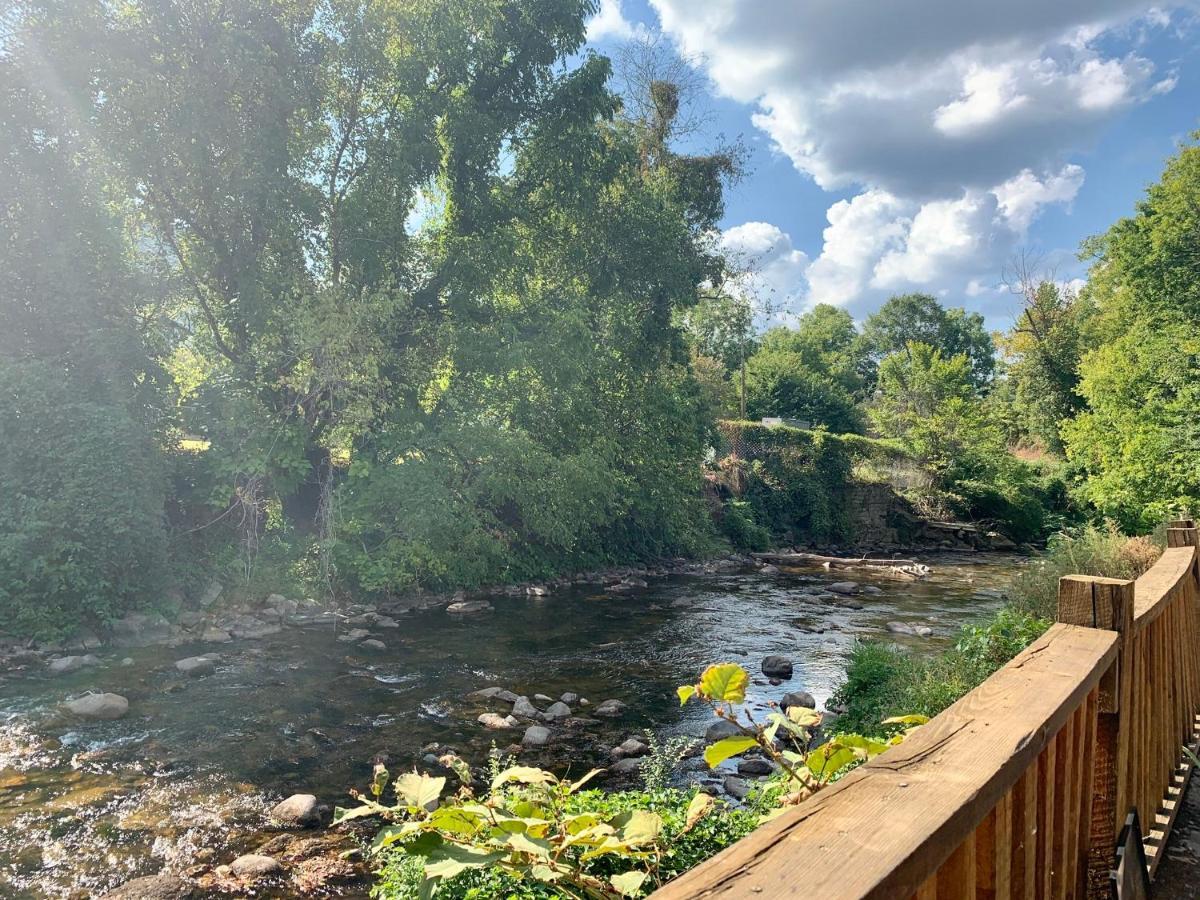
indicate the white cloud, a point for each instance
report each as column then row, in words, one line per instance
column 773, row 268
column 952, row 123
column 610, row 23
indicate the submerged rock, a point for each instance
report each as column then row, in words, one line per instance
column 777, row 667
column 735, row 787
column 798, row 698
column 163, row 886
column 610, row 708
column 98, row 706
column 252, row 865
column 493, row 693
column 906, row 628
column 373, row 644
column 65, row 664
column 196, row 666
column 297, row 811
column 843, row 587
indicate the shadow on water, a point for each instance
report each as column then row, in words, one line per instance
column 188, row 775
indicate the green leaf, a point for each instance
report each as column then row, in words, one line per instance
column 523, row 775
column 724, row 683
column 727, row 747
column 686, row 692
column 393, row 833
column 629, row 884
column 451, row 859
column 913, row 719
column 379, row 781
column 358, row 812
column 576, row 785
column 524, row 844
column 803, row 716
column 641, row 827
column 419, row 790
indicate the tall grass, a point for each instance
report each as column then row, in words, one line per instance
column 882, row 680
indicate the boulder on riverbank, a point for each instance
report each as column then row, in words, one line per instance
column 297, row 811
column 197, row 666
column 536, row 736
column 469, row 608
column 98, row 706
column 163, row 886
column 253, row 865
column 65, row 664
column 497, row 722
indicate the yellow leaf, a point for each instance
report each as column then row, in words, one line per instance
column 726, row 682
column 697, row 810
column 727, row 747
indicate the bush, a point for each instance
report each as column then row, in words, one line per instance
column 82, row 538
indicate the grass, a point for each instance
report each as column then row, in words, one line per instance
column 882, row 680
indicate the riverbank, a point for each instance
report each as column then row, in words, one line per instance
column 186, row 779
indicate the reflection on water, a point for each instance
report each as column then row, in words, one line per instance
column 189, row 773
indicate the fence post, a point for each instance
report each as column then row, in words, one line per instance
column 1105, row 603
column 1182, row 533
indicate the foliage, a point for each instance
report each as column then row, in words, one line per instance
column 82, row 538
column 786, row 738
column 779, row 384
column 1136, row 444
column 662, row 756
column 920, row 319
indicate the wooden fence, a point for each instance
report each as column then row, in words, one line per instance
column 1020, row 789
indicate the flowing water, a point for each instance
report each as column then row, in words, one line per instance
column 187, row 776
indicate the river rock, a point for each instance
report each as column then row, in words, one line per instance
column 777, row 667
column 196, row 666
column 468, row 607
column 496, row 721
column 537, row 590
column 798, row 698
column 297, row 811
column 872, row 590
column 190, row 618
column 493, row 693
column 768, row 569
column 536, row 736
column 373, row 644
column 626, row 766
column 557, row 710
column 735, row 787
column 98, row 706
column 163, row 886
column 213, row 635
column 906, row 628
column 569, row 698
column 253, row 865
column 65, row 664
column 525, row 709
column 843, row 587
column 252, row 629
column 386, row 622
column 629, row 748
column 609, row 708
column 542, row 698
column 719, row 730
column 754, row 766
column 354, row 635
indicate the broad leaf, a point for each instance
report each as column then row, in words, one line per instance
column 697, row 810
column 913, row 719
column 724, row 683
column 727, row 747
column 419, row 790
column 629, row 884
column 393, row 833
column 641, row 827
column 523, row 775
column 576, row 785
column 686, row 692
column 803, row 716
column 379, row 780
column 524, row 844
column 451, row 859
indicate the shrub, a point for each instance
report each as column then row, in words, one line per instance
column 82, row 537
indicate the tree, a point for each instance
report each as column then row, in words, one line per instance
column 1137, row 445
column 920, row 318
column 827, row 341
column 780, row 383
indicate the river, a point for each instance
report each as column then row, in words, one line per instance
column 184, row 781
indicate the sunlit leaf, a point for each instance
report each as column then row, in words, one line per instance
column 451, row 859
column 379, row 780
column 522, row 775
column 393, row 833
column 629, row 884
column 725, row 683
column 803, row 716
column 913, row 719
column 697, row 810
column 686, row 692
column 576, row 785
column 727, row 747
column 522, row 843
column 641, row 827
column 419, row 790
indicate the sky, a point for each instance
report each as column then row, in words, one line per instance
column 923, row 145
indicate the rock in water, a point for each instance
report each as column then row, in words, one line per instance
column 468, row 607
column 905, row 628
column 196, row 666
column 163, row 886
column 736, row 787
column 65, row 664
column 629, row 748
column 496, row 721
column 626, row 766
column 777, row 667
column 252, row 865
column 610, row 708
column 214, row 635
column 719, row 730
column 525, row 709
column 755, row 765
column 493, row 693
column 99, row 706
column 536, row 736
column 557, row 710
column 843, row 587
column 297, row 811
column 373, row 644
column 798, row 698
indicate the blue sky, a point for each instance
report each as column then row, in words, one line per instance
column 919, row 146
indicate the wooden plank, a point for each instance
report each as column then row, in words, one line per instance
column 956, row 877
column 1047, row 766
column 1154, row 590
column 887, row 826
column 1087, row 771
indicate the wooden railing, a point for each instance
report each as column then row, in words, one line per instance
column 1022, row 787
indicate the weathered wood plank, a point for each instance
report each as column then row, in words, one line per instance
column 901, row 816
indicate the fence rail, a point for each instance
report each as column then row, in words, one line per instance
column 1021, row 788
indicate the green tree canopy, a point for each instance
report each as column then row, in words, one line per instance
column 920, row 318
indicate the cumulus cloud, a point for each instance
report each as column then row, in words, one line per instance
column 610, row 23
column 951, row 123
column 773, row 270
